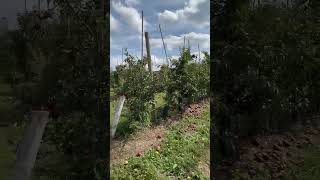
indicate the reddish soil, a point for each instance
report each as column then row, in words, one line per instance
column 137, row 144
column 274, row 153
column 148, row 138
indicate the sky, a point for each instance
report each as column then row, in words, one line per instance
column 178, row 19
column 10, row 9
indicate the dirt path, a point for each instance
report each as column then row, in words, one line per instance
column 137, row 144
column 148, row 138
column 274, row 153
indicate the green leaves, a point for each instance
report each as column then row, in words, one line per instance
column 179, row 155
column 188, row 80
column 263, row 66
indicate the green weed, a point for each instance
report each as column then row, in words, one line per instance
column 178, row 156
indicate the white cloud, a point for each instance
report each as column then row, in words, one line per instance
column 178, row 19
column 195, row 12
column 174, row 42
column 129, row 15
column 114, row 24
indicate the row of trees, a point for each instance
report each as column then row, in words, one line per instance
column 185, row 81
column 60, row 65
column 265, row 68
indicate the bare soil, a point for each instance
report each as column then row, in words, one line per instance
column 148, row 138
column 275, row 153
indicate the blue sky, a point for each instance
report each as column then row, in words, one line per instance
column 178, row 18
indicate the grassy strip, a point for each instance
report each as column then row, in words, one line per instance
column 309, row 169
column 179, row 155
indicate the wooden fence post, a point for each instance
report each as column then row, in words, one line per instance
column 148, row 52
column 150, row 70
column 29, row 146
column 142, row 36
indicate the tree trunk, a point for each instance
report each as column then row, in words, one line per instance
column 29, row 146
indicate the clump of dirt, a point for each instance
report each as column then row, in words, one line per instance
column 193, row 110
column 274, row 153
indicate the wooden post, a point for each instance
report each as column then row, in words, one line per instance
column 29, row 146
column 199, row 53
column 164, row 46
column 117, row 115
column 150, row 70
column 148, row 52
column 142, row 38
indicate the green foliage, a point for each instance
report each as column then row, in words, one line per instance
column 58, row 60
column 265, row 75
column 184, row 82
column 64, row 133
column 188, row 80
column 178, row 157
column 138, row 88
column 309, row 169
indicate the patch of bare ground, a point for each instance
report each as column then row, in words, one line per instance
column 274, row 153
column 148, row 138
column 137, row 144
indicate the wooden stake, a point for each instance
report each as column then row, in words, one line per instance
column 148, row 51
column 150, row 70
column 164, row 46
column 142, row 38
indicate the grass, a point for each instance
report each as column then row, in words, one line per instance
column 8, row 140
column 309, row 169
column 178, row 157
column 124, row 129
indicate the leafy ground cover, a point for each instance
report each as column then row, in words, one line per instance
column 182, row 153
